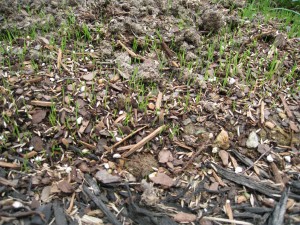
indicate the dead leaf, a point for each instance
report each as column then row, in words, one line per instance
column 214, row 186
column 294, row 127
column 241, row 199
column 37, row 143
column 224, row 157
column 106, row 178
column 89, row 76
column 65, row 142
column 38, row 116
column 162, row 179
column 222, row 140
column 84, row 125
column 263, row 148
column 182, row 217
column 65, row 186
column 84, row 167
column 165, row 156
column 45, row 194
column 44, row 41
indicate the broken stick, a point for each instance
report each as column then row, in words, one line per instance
column 143, row 141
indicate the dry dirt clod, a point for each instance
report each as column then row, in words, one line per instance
column 212, row 20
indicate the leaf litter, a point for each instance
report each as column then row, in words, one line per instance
column 130, row 113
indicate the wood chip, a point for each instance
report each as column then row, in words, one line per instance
column 9, row 165
column 270, row 124
column 11, row 183
column 59, row 58
column 41, row 103
column 262, row 112
column 286, row 107
column 228, row 211
column 182, row 217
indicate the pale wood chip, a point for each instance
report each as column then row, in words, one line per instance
column 9, row 165
column 262, row 112
column 286, row 107
column 158, row 100
column 41, row 103
column 59, row 58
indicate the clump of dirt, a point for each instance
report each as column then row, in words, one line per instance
column 141, row 165
column 149, row 71
column 212, row 20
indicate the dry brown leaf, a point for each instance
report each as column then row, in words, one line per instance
column 37, row 143
column 88, row 77
column 65, row 142
column 44, row 41
column 84, row 167
column 38, row 116
column 165, row 156
column 45, row 196
column 224, row 157
column 65, row 186
column 162, row 179
column 240, row 199
column 84, row 125
column 294, row 127
column 222, row 140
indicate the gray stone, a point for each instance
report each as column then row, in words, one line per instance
column 252, row 141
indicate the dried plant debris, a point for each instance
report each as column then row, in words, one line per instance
column 148, row 112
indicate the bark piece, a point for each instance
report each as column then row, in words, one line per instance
column 277, row 217
column 110, row 216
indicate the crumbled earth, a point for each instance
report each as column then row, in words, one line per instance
column 147, row 112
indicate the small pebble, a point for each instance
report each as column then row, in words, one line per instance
column 17, row 205
column 117, row 156
column 118, row 139
column 231, row 80
column 269, row 125
column 238, row 169
column 270, row 158
column 85, row 151
column 82, row 89
column 287, row 158
column 106, row 165
column 215, row 149
column 68, row 169
column 79, row 120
